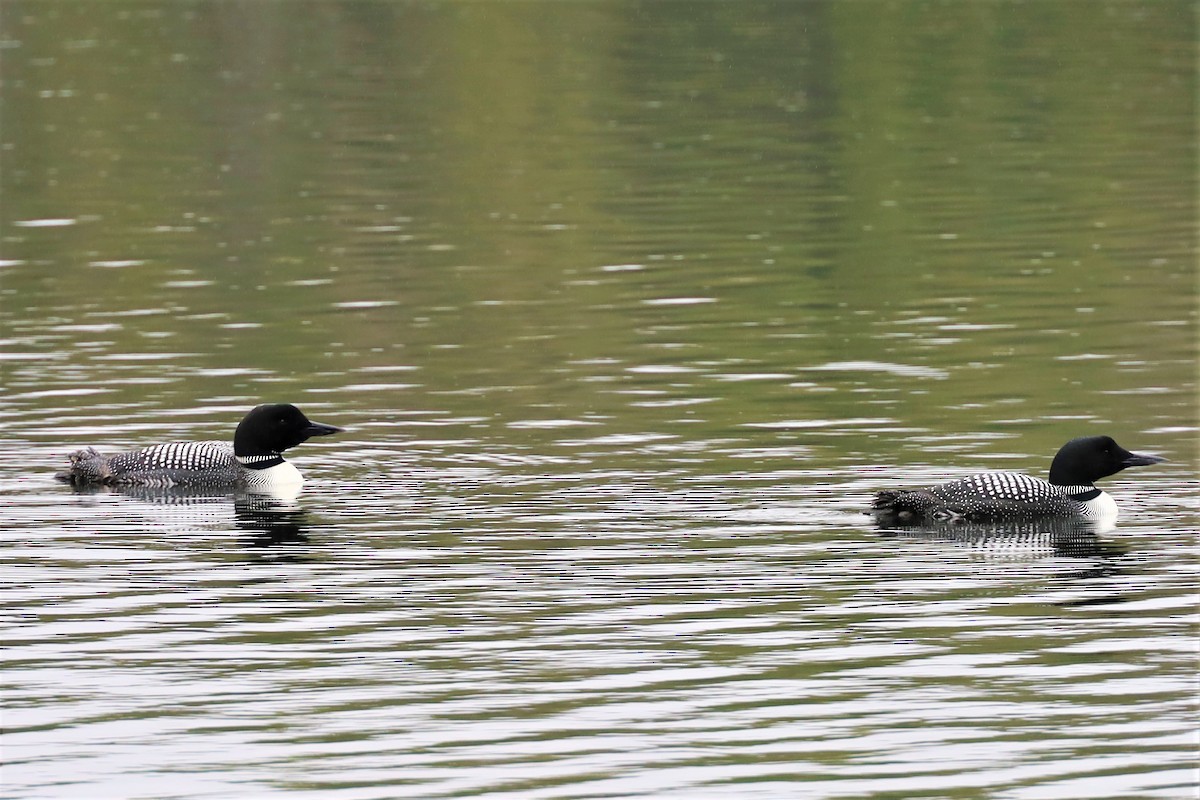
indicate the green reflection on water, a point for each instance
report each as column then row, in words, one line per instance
column 780, row 201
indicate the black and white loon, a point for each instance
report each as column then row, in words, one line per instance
column 254, row 461
column 1014, row 496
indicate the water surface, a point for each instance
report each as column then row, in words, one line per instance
column 627, row 309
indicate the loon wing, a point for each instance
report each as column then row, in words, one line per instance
column 988, row 497
column 173, row 464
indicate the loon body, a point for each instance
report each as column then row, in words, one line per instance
column 1014, row 496
column 253, row 461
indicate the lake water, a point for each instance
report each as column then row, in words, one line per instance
column 627, row 309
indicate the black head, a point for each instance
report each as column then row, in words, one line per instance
column 271, row 429
column 1083, row 461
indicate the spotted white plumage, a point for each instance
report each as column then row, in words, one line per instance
column 1011, row 495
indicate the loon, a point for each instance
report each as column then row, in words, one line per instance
column 1014, row 496
column 253, row 462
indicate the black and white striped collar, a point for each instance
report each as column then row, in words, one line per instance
column 1082, row 493
column 260, row 462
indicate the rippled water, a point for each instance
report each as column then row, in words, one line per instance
column 627, row 311
column 571, row 630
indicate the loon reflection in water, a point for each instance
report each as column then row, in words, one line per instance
column 1072, row 538
column 269, row 520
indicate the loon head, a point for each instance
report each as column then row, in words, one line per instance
column 1087, row 459
column 270, row 429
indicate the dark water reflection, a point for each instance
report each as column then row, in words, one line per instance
column 1071, row 538
column 628, row 309
column 268, row 522
column 271, row 523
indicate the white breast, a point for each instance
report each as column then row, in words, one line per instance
column 282, row 479
column 1102, row 509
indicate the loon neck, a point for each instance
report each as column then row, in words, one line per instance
column 262, row 461
column 1082, row 492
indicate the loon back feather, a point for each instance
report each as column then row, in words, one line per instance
column 996, row 496
column 171, row 464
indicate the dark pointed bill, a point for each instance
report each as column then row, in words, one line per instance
column 320, row 429
column 1138, row 460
